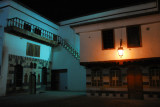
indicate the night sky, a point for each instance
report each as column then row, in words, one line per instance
column 59, row 10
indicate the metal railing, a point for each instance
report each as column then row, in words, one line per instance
column 68, row 47
column 17, row 22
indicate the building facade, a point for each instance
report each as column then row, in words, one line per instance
column 135, row 73
column 81, row 54
column 35, row 55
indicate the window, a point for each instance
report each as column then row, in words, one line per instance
column 154, row 77
column 33, row 50
column 108, row 39
column 115, row 77
column 133, row 36
column 97, row 79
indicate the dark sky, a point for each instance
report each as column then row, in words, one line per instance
column 59, row 10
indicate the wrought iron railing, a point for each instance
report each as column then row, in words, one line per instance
column 19, row 23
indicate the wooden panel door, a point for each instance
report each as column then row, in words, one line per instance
column 135, row 87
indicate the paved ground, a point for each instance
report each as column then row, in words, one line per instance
column 71, row 99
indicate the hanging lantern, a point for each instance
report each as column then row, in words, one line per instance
column 120, row 49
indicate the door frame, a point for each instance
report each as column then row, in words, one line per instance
column 57, row 82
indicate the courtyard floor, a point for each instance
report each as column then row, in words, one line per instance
column 71, row 99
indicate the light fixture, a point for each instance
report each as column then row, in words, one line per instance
column 120, row 49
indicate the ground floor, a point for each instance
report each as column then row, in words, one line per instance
column 134, row 80
column 30, row 75
column 72, row 99
column 26, row 74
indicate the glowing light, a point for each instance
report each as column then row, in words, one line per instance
column 120, row 51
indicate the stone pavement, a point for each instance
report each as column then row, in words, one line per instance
column 71, row 99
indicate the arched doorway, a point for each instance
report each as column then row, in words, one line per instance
column 18, row 76
column 135, row 86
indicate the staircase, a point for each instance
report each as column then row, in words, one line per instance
column 68, row 47
column 17, row 25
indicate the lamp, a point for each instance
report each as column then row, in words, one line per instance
column 120, row 49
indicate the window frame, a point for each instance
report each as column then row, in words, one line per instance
column 115, row 76
column 140, row 37
column 154, row 70
column 97, row 82
column 103, row 39
column 32, row 52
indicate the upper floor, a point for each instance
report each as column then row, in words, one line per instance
column 137, row 34
column 22, row 21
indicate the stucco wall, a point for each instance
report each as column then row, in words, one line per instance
column 62, row 59
column 91, row 40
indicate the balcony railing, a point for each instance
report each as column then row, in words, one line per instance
column 21, row 24
column 17, row 22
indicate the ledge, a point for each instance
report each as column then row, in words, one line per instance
column 30, row 35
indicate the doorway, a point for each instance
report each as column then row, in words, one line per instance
column 59, row 79
column 44, row 76
column 32, row 83
column 18, row 76
column 135, row 86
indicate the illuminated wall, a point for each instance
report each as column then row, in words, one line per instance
column 62, row 59
column 91, row 39
column 14, row 45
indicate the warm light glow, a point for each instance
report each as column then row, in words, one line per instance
column 120, row 51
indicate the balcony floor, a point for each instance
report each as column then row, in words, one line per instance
column 29, row 35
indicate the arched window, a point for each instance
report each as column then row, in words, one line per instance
column 97, row 78
column 154, row 76
column 115, row 77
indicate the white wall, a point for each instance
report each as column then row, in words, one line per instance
column 91, row 39
column 17, row 46
column 62, row 59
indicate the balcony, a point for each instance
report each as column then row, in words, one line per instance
column 27, row 30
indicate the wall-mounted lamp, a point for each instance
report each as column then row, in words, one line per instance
column 120, row 49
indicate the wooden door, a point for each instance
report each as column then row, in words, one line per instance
column 135, row 87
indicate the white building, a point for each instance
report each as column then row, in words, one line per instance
column 46, row 56
column 36, row 54
column 134, row 73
